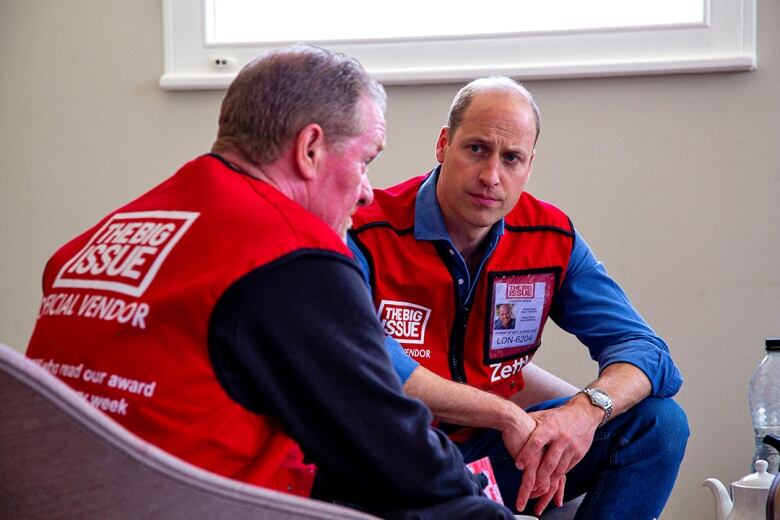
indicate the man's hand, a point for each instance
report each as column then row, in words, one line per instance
column 516, row 432
column 562, row 437
column 516, row 436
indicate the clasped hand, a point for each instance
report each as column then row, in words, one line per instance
column 559, row 440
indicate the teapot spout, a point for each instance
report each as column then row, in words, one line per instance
column 723, row 503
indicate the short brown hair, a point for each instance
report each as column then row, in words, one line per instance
column 275, row 96
column 465, row 96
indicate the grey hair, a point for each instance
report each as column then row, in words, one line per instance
column 273, row 97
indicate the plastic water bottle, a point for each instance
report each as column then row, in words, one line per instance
column 764, row 397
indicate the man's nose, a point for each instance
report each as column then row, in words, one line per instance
column 366, row 192
column 489, row 175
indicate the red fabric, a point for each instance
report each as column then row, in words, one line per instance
column 409, row 274
column 143, row 322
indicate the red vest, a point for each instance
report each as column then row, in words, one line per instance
column 125, row 315
column 418, row 305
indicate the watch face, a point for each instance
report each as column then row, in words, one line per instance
column 602, row 400
column 599, row 397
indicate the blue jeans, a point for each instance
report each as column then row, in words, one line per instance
column 628, row 472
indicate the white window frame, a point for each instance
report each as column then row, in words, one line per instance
column 724, row 41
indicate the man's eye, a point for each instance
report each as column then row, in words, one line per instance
column 476, row 148
column 511, row 157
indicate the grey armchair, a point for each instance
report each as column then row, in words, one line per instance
column 60, row 458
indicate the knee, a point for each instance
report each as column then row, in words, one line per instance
column 668, row 423
column 667, row 413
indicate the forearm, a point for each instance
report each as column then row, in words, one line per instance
column 626, row 385
column 593, row 307
column 464, row 405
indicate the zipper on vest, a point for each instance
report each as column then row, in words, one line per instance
column 457, row 340
column 458, row 331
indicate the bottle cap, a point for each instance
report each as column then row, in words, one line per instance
column 773, row 343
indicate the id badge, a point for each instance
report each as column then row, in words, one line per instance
column 517, row 308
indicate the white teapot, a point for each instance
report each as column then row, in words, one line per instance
column 750, row 495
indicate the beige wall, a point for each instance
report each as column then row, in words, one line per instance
column 674, row 181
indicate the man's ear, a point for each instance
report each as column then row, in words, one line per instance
column 310, row 148
column 441, row 143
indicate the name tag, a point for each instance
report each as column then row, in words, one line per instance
column 517, row 307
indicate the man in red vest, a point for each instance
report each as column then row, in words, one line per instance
column 178, row 314
column 447, row 252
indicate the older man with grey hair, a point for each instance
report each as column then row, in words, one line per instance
column 228, row 295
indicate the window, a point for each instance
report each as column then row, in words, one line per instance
column 208, row 41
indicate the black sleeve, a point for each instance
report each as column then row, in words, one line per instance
column 298, row 339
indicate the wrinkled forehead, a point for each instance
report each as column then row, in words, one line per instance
column 372, row 115
column 501, row 114
column 371, row 126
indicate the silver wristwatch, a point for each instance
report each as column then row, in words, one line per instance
column 601, row 399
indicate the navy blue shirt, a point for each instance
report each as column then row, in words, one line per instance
column 589, row 304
